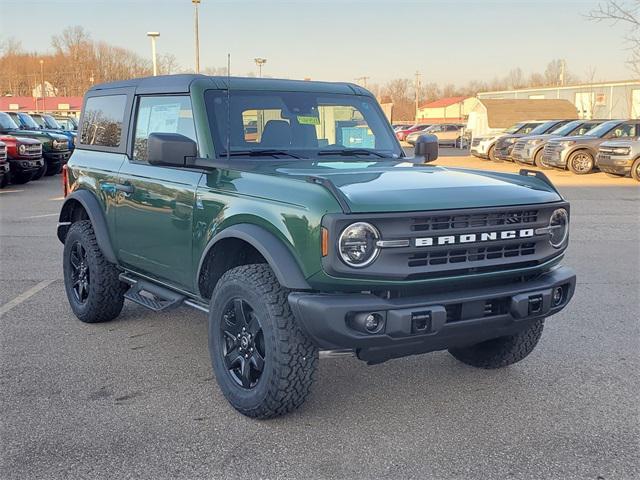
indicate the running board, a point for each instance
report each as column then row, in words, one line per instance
column 150, row 295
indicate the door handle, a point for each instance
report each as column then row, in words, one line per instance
column 124, row 187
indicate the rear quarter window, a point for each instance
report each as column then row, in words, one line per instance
column 102, row 121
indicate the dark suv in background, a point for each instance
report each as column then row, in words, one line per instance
column 505, row 144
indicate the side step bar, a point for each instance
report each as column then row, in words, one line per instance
column 150, row 295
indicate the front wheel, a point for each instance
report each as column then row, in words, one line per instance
column 580, row 162
column 537, row 160
column 491, row 153
column 635, row 170
column 20, row 178
column 263, row 362
column 40, row 172
column 502, row 351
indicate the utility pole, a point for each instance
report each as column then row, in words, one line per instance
column 363, row 79
column 44, row 108
column 417, row 88
column 260, row 62
column 153, row 36
column 563, row 66
column 197, row 33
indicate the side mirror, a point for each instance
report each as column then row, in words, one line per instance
column 170, row 149
column 426, row 149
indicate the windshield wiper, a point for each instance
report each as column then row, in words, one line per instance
column 266, row 152
column 345, row 152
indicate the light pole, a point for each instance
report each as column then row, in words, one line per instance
column 44, row 109
column 153, row 36
column 197, row 33
column 260, row 62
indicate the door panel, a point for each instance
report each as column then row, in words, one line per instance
column 155, row 221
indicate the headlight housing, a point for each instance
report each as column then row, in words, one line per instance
column 567, row 143
column 535, row 141
column 357, row 244
column 620, row 150
column 558, row 227
column 22, row 149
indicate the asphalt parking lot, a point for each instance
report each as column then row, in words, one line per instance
column 135, row 398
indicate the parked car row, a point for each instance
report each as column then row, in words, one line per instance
column 581, row 146
column 32, row 146
column 448, row 134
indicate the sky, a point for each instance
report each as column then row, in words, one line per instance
column 340, row 40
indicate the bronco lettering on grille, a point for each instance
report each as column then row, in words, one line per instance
column 474, row 237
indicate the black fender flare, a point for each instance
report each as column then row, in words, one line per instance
column 95, row 213
column 277, row 255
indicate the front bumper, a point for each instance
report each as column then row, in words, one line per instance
column 57, row 157
column 556, row 157
column 504, row 153
column 455, row 318
column 616, row 164
column 23, row 165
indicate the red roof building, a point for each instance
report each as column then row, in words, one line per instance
column 446, row 110
column 57, row 105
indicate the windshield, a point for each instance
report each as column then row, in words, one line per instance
column 542, row 128
column 567, row 128
column 601, row 129
column 7, row 122
column 298, row 124
column 28, row 121
column 50, row 122
column 514, row 128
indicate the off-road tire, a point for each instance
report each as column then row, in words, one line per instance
column 635, row 170
column 502, row 351
column 290, row 358
column 105, row 292
column 53, row 169
column 5, row 180
column 21, row 178
column 577, row 168
column 491, row 153
column 41, row 172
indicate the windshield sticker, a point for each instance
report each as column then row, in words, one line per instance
column 308, row 120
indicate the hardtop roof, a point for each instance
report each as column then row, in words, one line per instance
column 182, row 83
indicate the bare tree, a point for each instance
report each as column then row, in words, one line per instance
column 627, row 13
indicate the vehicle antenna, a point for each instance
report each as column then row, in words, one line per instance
column 228, row 107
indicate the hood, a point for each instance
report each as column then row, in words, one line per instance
column 403, row 187
column 542, row 136
column 575, row 138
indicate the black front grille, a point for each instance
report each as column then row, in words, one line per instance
column 465, row 255
column 476, row 220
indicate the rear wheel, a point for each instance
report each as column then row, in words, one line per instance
column 92, row 284
column 502, row 351
column 262, row 360
column 580, row 162
column 635, row 170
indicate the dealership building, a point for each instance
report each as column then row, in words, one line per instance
column 592, row 100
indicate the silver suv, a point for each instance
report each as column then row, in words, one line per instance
column 578, row 153
column 529, row 149
column 620, row 157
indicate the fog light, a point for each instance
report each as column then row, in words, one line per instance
column 557, row 297
column 372, row 323
column 367, row 322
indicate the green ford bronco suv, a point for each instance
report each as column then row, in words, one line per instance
column 288, row 212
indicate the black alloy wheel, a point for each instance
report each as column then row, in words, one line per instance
column 79, row 272
column 242, row 343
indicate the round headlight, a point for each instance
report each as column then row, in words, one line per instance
column 558, row 227
column 22, row 149
column 357, row 244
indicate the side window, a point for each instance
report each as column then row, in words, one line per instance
column 164, row 114
column 102, row 121
column 624, row 130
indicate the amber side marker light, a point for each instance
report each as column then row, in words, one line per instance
column 325, row 242
column 65, row 181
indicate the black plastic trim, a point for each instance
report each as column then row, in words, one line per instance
column 92, row 206
column 277, row 255
column 335, row 191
